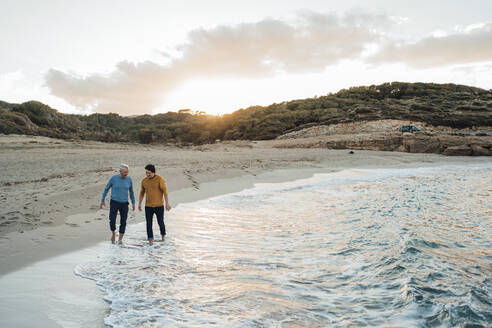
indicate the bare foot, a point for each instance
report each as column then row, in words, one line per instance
column 120, row 242
column 151, row 242
column 113, row 237
column 163, row 238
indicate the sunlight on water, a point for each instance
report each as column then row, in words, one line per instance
column 404, row 248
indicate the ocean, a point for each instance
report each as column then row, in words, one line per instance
column 359, row 247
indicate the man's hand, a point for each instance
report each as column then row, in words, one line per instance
column 139, row 207
column 133, row 207
column 102, row 205
column 168, row 207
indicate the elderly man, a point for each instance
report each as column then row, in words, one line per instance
column 153, row 188
column 120, row 184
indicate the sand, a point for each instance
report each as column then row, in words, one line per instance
column 48, row 294
column 50, row 191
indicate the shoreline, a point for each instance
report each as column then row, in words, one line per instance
column 47, row 286
column 74, row 236
column 51, row 188
column 49, row 292
column 86, row 229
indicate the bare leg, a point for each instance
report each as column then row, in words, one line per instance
column 163, row 238
column 151, row 242
column 113, row 236
column 120, row 238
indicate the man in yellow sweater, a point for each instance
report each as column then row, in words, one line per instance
column 155, row 187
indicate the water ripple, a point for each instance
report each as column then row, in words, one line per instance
column 356, row 248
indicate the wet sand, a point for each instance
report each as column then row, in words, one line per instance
column 50, row 219
column 50, row 189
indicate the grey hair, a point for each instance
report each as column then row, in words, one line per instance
column 124, row 166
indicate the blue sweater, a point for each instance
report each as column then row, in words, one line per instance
column 119, row 189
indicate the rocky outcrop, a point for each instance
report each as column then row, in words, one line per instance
column 481, row 149
column 462, row 150
column 384, row 135
column 365, row 142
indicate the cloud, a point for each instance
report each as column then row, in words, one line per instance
column 248, row 50
column 273, row 45
column 471, row 45
column 129, row 89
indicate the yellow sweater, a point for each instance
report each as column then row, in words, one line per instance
column 155, row 188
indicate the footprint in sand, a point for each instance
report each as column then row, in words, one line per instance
column 190, row 177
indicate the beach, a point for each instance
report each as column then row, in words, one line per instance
column 51, row 190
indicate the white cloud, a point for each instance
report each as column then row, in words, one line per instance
column 19, row 86
column 469, row 45
column 313, row 43
column 248, row 50
column 130, row 89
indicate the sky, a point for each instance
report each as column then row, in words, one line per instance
column 151, row 56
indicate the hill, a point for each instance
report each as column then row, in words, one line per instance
column 449, row 105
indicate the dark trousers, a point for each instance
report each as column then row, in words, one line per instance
column 114, row 207
column 159, row 213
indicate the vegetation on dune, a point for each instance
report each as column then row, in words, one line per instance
column 452, row 105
